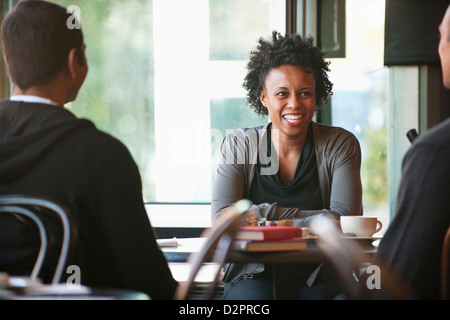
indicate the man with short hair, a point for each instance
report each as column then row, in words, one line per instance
column 46, row 151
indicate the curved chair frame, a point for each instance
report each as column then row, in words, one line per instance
column 35, row 208
column 218, row 244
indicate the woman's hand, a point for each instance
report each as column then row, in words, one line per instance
column 249, row 215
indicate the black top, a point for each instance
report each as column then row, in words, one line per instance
column 302, row 192
column 413, row 242
column 46, row 151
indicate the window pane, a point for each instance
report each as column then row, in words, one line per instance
column 360, row 99
column 165, row 78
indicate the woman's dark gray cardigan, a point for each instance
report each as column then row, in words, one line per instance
column 338, row 157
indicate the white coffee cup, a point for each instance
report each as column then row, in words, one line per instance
column 361, row 226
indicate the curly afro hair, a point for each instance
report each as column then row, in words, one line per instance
column 287, row 50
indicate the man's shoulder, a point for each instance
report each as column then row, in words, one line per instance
column 438, row 135
column 96, row 138
column 430, row 149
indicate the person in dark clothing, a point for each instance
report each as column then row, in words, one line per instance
column 413, row 242
column 46, row 151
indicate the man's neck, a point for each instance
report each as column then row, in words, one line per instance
column 51, row 91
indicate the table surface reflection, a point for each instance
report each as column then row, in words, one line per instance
column 187, row 246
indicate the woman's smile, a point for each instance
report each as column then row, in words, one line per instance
column 293, row 119
column 290, row 98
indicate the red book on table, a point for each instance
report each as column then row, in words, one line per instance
column 269, row 233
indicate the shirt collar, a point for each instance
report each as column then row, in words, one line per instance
column 33, row 99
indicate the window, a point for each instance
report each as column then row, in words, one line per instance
column 360, row 101
column 165, row 78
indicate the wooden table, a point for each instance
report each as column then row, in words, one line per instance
column 187, row 246
column 277, row 260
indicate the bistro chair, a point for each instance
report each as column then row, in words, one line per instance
column 445, row 275
column 218, row 243
column 346, row 259
column 38, row 214
column 38, row 211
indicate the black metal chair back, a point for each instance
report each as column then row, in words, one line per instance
column 37, row 210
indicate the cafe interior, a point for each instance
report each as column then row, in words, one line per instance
column 387, row 91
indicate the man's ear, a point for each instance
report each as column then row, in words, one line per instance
column 73, row 63
column 75, row 74
column 77, row 60
column 6, row 64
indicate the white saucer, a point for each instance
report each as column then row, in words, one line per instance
column 373, row 238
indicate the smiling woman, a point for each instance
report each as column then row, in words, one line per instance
column 289, row 96
column 268, row 57
column 287, row 79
